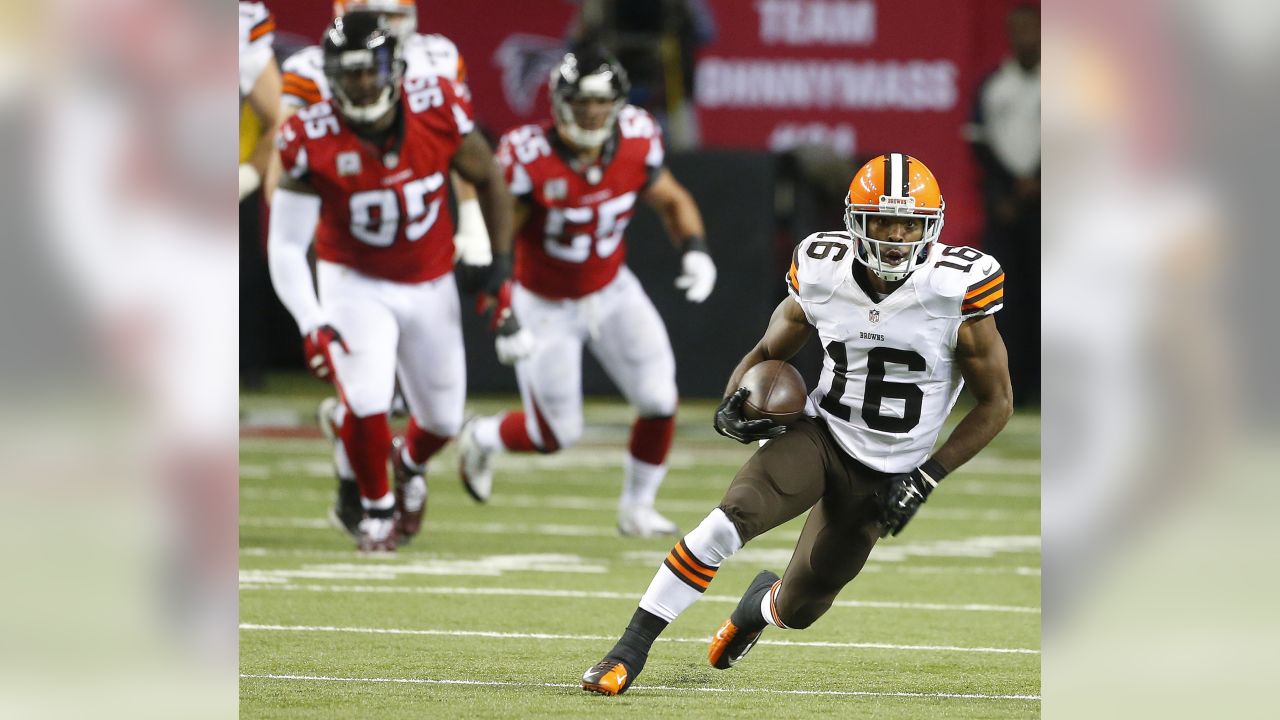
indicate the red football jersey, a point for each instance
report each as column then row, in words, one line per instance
column 572, row 242
column 384, row 215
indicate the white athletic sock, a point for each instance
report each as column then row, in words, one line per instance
column 690, row 566
column 769, row 607
column 486, row 433
column 386, row 502
column 408, row 461
column 640, row 482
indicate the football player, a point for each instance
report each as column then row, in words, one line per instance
column 577, row 179
column 425, row 55
column 905, row 323
column 365, row 174
column 305, row 82
column 259, row 93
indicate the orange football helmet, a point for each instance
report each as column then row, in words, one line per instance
column 893, row 185
column 401, row 15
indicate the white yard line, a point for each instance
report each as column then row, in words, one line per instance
column 254, row 584
column 609, row 504
column 639, row 688
column 515, row 468
column 608, row 638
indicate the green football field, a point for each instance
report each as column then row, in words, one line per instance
column 496, row 610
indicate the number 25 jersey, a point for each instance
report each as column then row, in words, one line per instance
column 382, row 213
column 889, row 377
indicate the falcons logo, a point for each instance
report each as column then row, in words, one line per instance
column 526, row 62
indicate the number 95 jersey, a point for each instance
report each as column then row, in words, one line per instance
column 889, row 377
column 571, row 243
column 382, row 213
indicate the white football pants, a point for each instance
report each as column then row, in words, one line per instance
column 620, row 326
column 390, row 327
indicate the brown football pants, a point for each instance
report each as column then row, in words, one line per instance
column 802, row 469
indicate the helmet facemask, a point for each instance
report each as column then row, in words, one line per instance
column 870, row 252
column 606, row 81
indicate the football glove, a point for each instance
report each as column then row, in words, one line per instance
column 730, row 423
column 512, row 342
column 698, row 277
column 315, row 347
column 905, row 494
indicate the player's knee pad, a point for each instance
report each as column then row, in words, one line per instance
column 714, row 539
column 656, row 398
column 744, row 506
column 361, row 403
column 553, row 434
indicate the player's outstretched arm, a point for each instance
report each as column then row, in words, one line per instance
column 684, row 226
column 788, row 331
column 984, row 364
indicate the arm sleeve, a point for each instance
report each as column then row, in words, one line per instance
column 986, row 296
column 294, row 216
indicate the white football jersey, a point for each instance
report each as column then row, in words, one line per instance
column 889, row 377
column 257, row 30
column 424, row 56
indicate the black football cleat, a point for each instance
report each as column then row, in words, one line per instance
column 742, row 630
column 607, row 677
column 346, row 512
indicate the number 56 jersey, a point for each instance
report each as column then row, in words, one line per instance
column 382, row 212
column 889, row 377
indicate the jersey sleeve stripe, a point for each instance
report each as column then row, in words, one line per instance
column 995, row 298
column 983, row 286
column 301, row 88
column 266, row 25
column 978, row 297
column 793, row 278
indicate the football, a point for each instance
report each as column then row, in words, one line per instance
column 777, row 392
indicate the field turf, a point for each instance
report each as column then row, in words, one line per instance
column 496, row 610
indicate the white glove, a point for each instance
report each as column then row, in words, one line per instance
column 699, row 276
column 471, row 244
column 249, row 180
column 514, row 347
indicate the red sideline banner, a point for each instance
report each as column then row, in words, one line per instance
column 862, row 76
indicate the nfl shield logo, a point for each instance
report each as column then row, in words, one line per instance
column 348, row 163
column 555, row 189
column 873, row 316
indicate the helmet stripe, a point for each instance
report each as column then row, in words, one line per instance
column 887, row 187
column 906, row 175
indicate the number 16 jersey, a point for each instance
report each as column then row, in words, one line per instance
column 889, row 377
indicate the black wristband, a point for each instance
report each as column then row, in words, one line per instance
column 696, row 242
column 934, row 470
column 499, row 271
